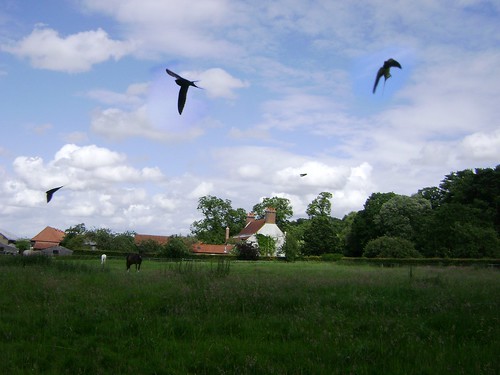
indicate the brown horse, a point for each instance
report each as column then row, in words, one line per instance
column 134, row 259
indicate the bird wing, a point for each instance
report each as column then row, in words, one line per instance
column 380, row 73
column 182, row 98
column 51, row 192
column 393, row 64
column 172, row 74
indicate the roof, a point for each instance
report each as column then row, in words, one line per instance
column 251, row 228
column 161, row 240
column 203, row 248
column 49, row 234
column 9, row 236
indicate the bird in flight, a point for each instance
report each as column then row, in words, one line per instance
column 184, row 84
column 303, row 174
column 385, row 71
column 51, row 192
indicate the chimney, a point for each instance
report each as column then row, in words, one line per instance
column 270, row 215
column 227, row 234
column 250, row 218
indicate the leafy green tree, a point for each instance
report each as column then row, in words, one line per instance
column 477, row 189
column 124, row 242
column 390, row 247
column 291, row 247
column 320, row 206
column 149, row 246
column 267, row 245
column 460, row 231
column 102, row 237
column 218, row 214
column 75, row 237
column 400, row 216
column 322, row 236
column 433, row 194
column 283, row 209
column 23, row 244
column 364, row 228
column 175, row 248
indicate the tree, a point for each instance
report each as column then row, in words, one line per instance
column 322, row 236
column 364, row 228
column 218, row 215
column 175, row 248
column 400, row 216
column 124, row 242
column 320, row 206
column 75, row 237
column 282, row 206
column 390, row 247
column 23, row 244
column 291, row 247
column 267, row 245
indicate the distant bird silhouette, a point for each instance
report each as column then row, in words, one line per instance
column 303, row 174
column 51, row 192
column 385, row 71
column 184, row 84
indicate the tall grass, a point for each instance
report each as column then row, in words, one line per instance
column 259, row 318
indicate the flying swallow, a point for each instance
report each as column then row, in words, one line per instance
column 184, row 84
column 385, row 71
column 51, row 192
column 303, row 174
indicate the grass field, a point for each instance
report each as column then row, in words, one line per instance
column 73, row 317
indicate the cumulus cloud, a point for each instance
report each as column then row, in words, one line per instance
column 46, row 49
column 219, row 83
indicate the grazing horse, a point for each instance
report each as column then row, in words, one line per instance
column 134, row 259
column 103, row 259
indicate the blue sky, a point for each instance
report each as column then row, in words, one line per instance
column 287, row 89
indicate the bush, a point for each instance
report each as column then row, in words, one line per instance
column 290, row 248
column 390, row 247
column 247, row 251
column 331, row 257
column 175, row 248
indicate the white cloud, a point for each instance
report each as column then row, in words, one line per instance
column 73, row 54
column 219, row 83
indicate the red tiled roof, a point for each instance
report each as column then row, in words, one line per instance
column 251, row 228
column 161, row 240
column 203, row 248
column 48, row 237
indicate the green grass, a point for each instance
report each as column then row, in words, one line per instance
column 74, row 317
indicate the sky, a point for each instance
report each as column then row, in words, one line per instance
column 285, row 88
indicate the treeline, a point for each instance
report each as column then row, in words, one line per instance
column 460, row 218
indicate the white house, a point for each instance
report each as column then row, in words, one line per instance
column 266, row 226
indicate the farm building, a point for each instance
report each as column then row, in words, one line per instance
column 56, row 251
column 7, row 249
column 7, row 238
column 160, row 240
column 203, row 248
column 48, row 237
column 266, row 226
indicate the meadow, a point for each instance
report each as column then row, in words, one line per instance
column 75, row 317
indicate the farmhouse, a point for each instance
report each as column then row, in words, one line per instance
column 266, row 226
column 48, row 237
